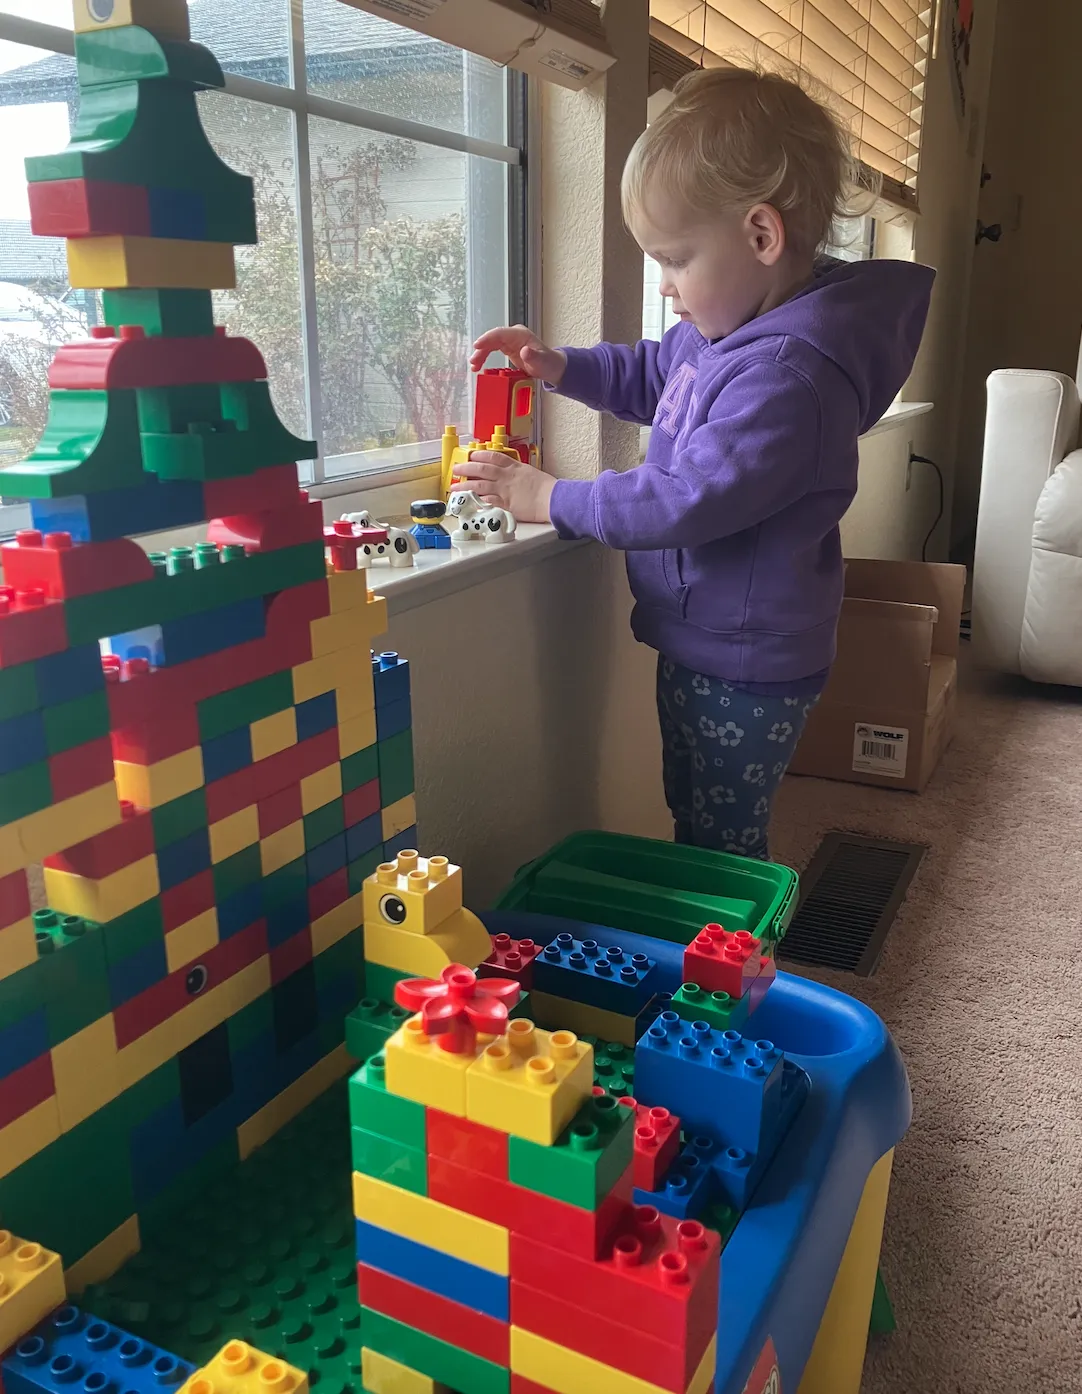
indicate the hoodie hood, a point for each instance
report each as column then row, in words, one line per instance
column 867, row 317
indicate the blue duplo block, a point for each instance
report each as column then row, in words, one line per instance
column 581, row 970
column 130, row 976
column 404, row 841
column 326, row 859
column 76, row 672
column 73, row 1350
column 227, row 753
column 114, row 513
column 23, row 1041
column 180, row 213
column 364, row 836
column 22, row 742
column 690, row 1184
column 316, row 715
column 390, row 678
column 431, row 537
column 435, row 1271
column 719, row 1083
column 239, row 910
column 211, row 631
column 284, row 919
column 181, row 860
column 393, row 719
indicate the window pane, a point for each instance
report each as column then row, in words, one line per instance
column 56, row 12
column 357, row 58
column 266, row 305
column 394, row 248
column 250, row 39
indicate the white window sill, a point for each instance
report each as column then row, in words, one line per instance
column 897, row 416
column 438, row 574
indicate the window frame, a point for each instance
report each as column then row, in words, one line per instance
column 339, row 474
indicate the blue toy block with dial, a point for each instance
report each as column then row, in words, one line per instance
column 73, row 1350
column 582, row 970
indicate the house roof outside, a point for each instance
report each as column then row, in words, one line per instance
column 25, row 258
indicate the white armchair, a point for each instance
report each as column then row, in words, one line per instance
column 1027, row 572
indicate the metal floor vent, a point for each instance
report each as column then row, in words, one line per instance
column 850, row 894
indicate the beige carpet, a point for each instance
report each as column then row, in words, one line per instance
column 981, row 985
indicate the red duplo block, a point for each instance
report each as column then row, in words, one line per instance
column 129, row 841
column 182, row 903
column 659, row 1275
column 31, row 626
column 301, row 521
column 503, row 397
column 133, row 359
column 289, row 612
column 274, row 486
column 657, row 1141
column 255, row 782
column 722, row 962
column 521, row 1385
column 510, row 958
column 361, row 803
column 581, row 1232
column 287, row 958
column 64, row 569
column 328, row 893
column 81, row 768
column 170, row 995
column 277, row 811
column 466, row 1144
column 25, row 1088
column 89, row 208
column 616, row 1344
column 154, row 739
column 453, row 1322
column 14, row 898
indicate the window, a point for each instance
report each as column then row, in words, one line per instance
column 390, row 200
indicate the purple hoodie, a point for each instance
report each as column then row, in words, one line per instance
column 731, row 524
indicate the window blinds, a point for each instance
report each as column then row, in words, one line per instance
column 868, row 57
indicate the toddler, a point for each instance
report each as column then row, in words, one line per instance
column 756, row 399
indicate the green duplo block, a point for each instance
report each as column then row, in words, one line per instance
column 21, row 994
column 388, row 1115
column 173, row 409
column 342, row 961
column 361, row 768
column 586, row 1160
column 289, row 882
column 447, row 1364
column 324, row 823
column 244, row 435
column 360, row 870
column 131, row 54
column 18, row 691
column 379, row 981
column 179, row 817
column 226, row 711
column 25, row 791
column 174, row 314
column 76, row 980
column 717, row 1009
column 369, row 1024
column 132, row 931
column 614, row 1067
column 388, row 1160
column 76, row 722
column 90, row 443
column 396, row 768
column 240, row 870
column 251, row 1022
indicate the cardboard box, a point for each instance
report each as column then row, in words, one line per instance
column 887, row 714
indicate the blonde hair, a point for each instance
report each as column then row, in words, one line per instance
column 735, row 137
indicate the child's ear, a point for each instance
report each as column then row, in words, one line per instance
column 766, row 233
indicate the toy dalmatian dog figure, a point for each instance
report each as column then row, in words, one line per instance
column 474, row 522
column 399, row 548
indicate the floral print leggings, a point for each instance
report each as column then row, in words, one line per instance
column 725, row 752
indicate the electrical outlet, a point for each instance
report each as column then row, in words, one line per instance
column 909, row 467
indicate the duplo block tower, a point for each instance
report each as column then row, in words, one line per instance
column 193, row 743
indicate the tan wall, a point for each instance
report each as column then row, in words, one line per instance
column 1026, row 307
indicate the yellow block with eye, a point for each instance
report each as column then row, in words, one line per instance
column 413, row 893
column 166, row 19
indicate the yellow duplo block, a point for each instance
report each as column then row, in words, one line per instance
column 321, row 788
column 397, row 817
column 86, row 1072
column 337, row 923
column 377, row 615
column 565, row 1371
column 104, row 1259
column 281, row 848
column 429, row 1222
column 462, row 938
column 359, row 699
column 60, row 825
column 166, row 19
column 414, row 893
column 418, row 1069
column 189, row 941
column 348, row 590
column 559, row 1013
column 18, row 947
column 31, row 1286
column 382, row 1375
column 28, row 1135
column 231, row 835
column 530, row 1083
column 356, row 733
column 150, row 786
column 147, row 263
column 262, row 1126
column 333, row 633
column 106, row 899
column 342, row 668
column 239, row 1368
column 273, row 733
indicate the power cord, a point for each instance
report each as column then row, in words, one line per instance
column 924, row 460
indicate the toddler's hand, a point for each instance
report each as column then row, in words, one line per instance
column 525, row 350
column 496, row 479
